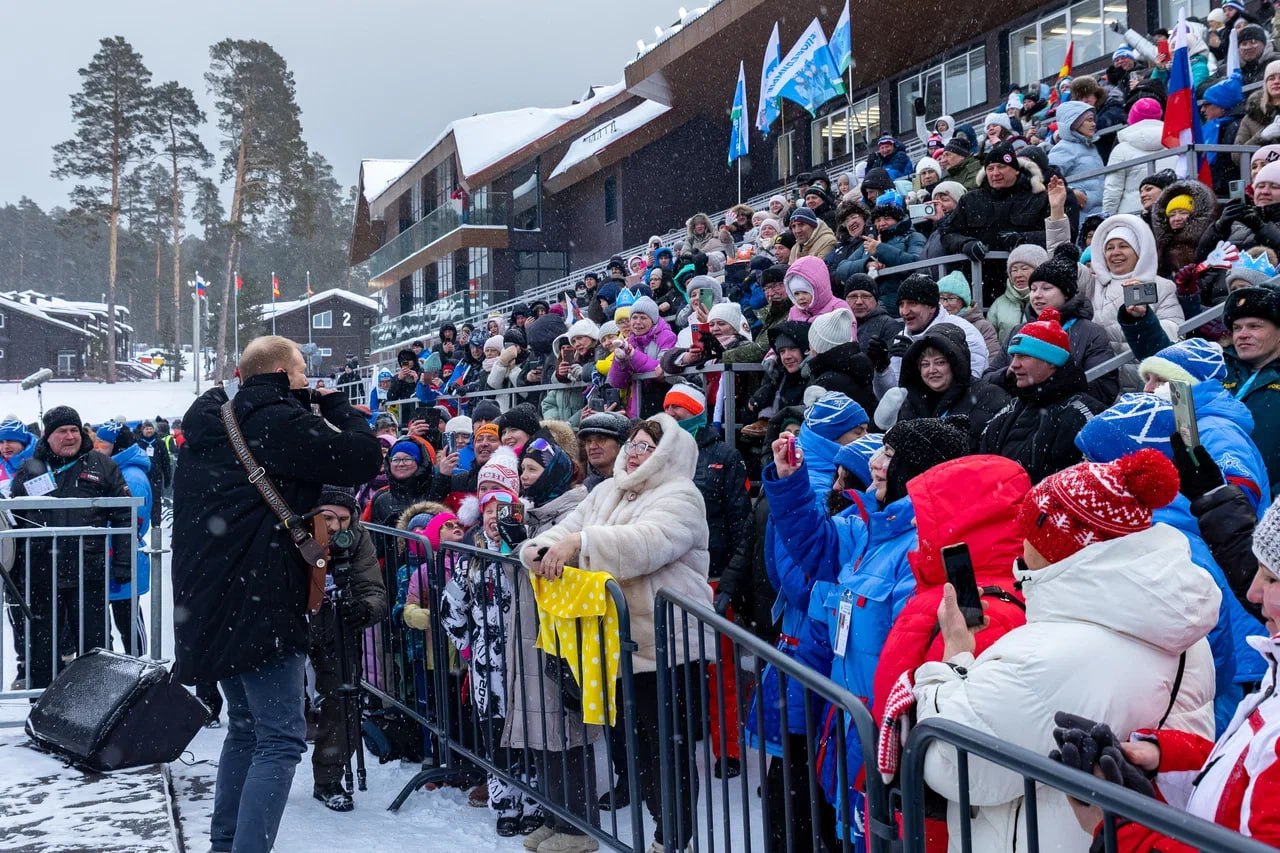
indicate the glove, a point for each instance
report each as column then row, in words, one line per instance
column 1187, row 279
column 722, row 603
column 1008, row 240
column 1232, row 211
column 513, row 533
column 918, row 106
column 975, row 250
column 357, row 614
column 878, row 354
column 1198, row 474
column 1117, row 770
column 1272, row 131
column 1116, row 75
column 899, row 347
column 1116, row 27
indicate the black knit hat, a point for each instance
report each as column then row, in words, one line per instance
column 775, row 273
column 1260, row 302
column 522, row 417
column 1160, row 179
column 959, row 146
column 515, row 336
column 919, row 444
column 486, row 410
column 818, row 191
column 918, row 288
column 787, row 239
column 877, row 179
column 1002, row 154
column 60, row 416
column 861, row 281
column 1060, row 270
column 339, row 496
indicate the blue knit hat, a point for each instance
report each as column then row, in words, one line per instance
column 956, row 284
column 1124, row 52
column 1194, row 360
column 108, row 432
column 835, row 414
column 12, row 429
column 407, row 447
column 384, row 375
column 1227, row 94
column 1043, row 339
column 1135, row 422
column 856, row 457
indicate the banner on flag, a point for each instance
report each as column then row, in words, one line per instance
column 842, row 41
column 740, row 136
column 275, row 286
column 807, row 75
column 767, row 113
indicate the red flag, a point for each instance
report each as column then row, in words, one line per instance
column 1055, row 97
column 239, row 283
column 275, row 286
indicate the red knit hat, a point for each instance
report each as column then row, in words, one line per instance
column 1090, row 503
column 1044, row 339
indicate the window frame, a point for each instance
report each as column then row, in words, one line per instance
column 1072, row 16
column 822, row 138
column 322, row 320
column 907, row 89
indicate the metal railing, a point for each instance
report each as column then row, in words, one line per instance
column 490, row 210
column 61, row 604
column 1127, row 357
column 1115, row 801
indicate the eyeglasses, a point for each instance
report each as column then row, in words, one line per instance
column 638, row 448
column 774, row 285
column 403, row 460
column 452, row 525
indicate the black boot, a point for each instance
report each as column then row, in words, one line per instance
column 334, row 797
column 728, row 768
column 619, row 797
column 509, row 826
column 532, row 821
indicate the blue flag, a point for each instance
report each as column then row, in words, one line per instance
column 768, row 111
column 739, row 138
column 842, row 41
column 807, row 75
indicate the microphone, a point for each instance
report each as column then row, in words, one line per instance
column 38, row 378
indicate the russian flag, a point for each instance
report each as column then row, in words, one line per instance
column 200, row 285
column 1181, row 118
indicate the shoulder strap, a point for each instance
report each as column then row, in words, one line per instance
column 1177, row 685
column 258, row 476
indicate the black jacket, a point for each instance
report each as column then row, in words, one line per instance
column 161, row 466
column 846, row 369
column 1090, row 345
column 721, row 477
column 1000, row 218
column 978, row 401
column 1038, row 428
column 89, row 474
column 1226, row 521
column 239, row 584
column 878, row 324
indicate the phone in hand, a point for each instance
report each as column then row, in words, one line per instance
column 450, row 443
column 922, row 211
column 1141, row 293
column 706, row 297
column 512, row 513
column 959, row 567
column 793, row 455
column 1184, row 412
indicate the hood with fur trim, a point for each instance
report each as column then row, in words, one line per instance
column 1204, row 214
column 675, row 458
column 428, row 507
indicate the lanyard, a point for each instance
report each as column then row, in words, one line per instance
column 1244, row 389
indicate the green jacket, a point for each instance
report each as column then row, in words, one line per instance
column 1008, row 312
column 754, row 352
column 966, row 174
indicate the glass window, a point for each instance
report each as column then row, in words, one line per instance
column 444, row 277
column 1169, row 9
column 1, row 321
column 1037, row 51
column 323, row 320
column 326, row 351
column 478, row 269
column 67, row 362
column 535, row 268
column 610, row 200
column 842, row 133
column 784, row 155
column 526, row 198
column 947, row 89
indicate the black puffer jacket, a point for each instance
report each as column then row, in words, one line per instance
column 88, row 474
column 878, row 324
column 846, row 369
column 1038, row 427
column 978, row 401
column 239, row 584
column 1090, row 345
column 721, row 477
column 1226, row 521
column 1000, row 218
column 781, row 389
column 398, row 495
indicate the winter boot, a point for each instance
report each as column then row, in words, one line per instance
column 619, row 797
column 728, row 768
column 562, row 842
column 334, row 797
column 532, row 820
column 539, row 835
column 509, row 825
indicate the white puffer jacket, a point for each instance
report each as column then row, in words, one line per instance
column 1120, row 191
column 1105, row 629
column 649, row 530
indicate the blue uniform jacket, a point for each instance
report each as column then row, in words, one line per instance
column 136, row 468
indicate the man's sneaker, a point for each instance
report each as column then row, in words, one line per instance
column 334, row 797
column 728, row 768
column 562, row 842
column 619, row 797
column 539, row 835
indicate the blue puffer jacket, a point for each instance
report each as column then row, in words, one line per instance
column 1225, row 426
column 12, row 464
column 136, row 468
column 819, row 462
column 1075, row 153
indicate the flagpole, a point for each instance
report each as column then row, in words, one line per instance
column 273, row 302
column 739, row 180
column 235, row 308
column 308, row 306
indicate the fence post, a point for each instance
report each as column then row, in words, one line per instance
column 729, row 382
column 975, row 282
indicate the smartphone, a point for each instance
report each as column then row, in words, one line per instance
column 707, row 297
column 1184, row 412
column 921, row 211
column 612, row 397
column 793, row 457
column 1235, row 189
column 959, row 566
column 564, row 352
column 513, row 512
column 1142, row 293
column 450, row 443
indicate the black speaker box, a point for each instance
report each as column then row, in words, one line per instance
column 107, row 711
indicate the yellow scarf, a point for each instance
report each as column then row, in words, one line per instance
column 579, row 598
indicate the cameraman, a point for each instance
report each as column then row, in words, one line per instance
column 357, row 581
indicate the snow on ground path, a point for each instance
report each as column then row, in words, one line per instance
column 98, row 401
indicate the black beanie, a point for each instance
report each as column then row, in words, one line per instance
column 1060, row 270
column 861, row 281
column 339, row 496
column 1260, row 302
column 918, row 288
column 60, row 416
column 919, row 444
column 486, row 410
column 522, row 417
column 877, row 179
column 124, row 440
column 774, row 274
column 1160, row 179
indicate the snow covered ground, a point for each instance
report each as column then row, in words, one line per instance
column 98, row 401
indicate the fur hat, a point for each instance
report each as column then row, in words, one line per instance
column 1043, row 339
column 522, row 417
column 1194, row 360
column 503, row 469
column 1095, row 502
column 1161, row 179
column 1260, row 302
column 918, row 288
column 830, row 330
column 1061, row 270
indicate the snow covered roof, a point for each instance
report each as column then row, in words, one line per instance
column 602, row 136
column 377, row 175
column 9, row 303
column 663, row 35
column 275, row 309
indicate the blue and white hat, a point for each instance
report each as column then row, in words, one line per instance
column 856, row 457
column 1124, row 52
column 384, row 375
column 1135, row 422
column 1193, row 361
column 835, row 414
column 12, row 429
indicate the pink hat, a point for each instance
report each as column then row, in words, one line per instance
column 1145, row 108
column 435, row 525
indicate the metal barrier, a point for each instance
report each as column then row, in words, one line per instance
column 57, row 595
column 797, row 809
column 1038, row 770
column 1126, row 357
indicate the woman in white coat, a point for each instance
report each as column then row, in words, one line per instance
column 1121, row 191
column 647, row 527
column 1113, row 605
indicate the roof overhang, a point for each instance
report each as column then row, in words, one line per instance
column 463, row 237
column 624, row 145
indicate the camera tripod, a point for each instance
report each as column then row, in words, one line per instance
column 348, row 688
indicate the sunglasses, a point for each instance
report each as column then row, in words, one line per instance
column 541, row 445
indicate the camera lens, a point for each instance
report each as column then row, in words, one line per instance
column 343, row 539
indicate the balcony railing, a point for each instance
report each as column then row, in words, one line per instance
column 426, row 320
column 487, row 209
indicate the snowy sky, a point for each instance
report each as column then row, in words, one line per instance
column 375, row 78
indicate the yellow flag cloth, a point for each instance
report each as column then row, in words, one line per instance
column 578, row 600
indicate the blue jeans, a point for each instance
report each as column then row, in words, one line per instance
column 266, row 730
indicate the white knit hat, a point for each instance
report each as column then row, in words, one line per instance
column 584, row 328
column 731, row 313
column 954, row 189
column 1266, row 540
column 494, row 342
column 461, row 423
column 828, row 331
column 608, row 327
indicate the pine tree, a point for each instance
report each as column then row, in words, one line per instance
column 115, row 127
column 262, row 140
column 180, row 119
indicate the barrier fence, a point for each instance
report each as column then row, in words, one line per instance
column 56, row 590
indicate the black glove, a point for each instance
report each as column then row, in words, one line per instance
column 1198, row 474
column 918, row 105
column 1250, row 219
column 1116, row 75
column 1119, row 771
column 878, row 354
column 1008, row 239
column 1231, row 212
column 513, row 533
column 721, row 603
column 975, row 250
column 899, row 347
column 357, row 613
